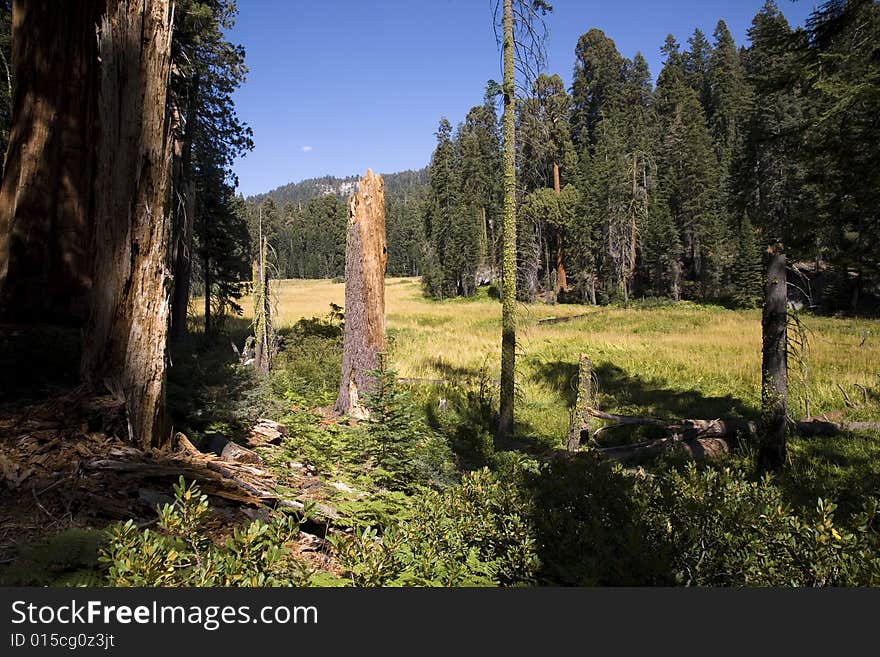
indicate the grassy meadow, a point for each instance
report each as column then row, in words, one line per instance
column 682, row 360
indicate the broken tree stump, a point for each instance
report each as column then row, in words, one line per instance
column 774, row 362
column 579, row 420
column 366, row 255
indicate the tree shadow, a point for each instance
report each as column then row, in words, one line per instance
column 619, row 388
column 37, row 361
column 455, row 372
column 591, row 526
column 209, row 391
column 845, row 469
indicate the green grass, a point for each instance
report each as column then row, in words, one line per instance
column 666, row 360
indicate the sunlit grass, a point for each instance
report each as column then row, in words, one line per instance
column 667, row 360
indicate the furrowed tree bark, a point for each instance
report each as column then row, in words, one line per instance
column 774, row 362
column 508, row 235
column 125, row 338
column 366, row 256
column 46, row 197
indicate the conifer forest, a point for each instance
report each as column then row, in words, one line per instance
column 620, row 327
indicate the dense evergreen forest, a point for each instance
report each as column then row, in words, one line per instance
column 669, row 190
column 306, row 224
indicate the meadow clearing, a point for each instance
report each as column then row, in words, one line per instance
column 668, row 360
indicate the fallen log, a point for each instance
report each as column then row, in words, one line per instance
column 699, row 449
column 729, row 427
column 561, row 320
column 266, row 432
column 708, row 439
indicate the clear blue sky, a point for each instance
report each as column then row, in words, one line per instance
column 341, row 85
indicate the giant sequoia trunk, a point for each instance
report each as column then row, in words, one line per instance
column 365, row 259
column 46, row 196
column 125, row 339
column 774, row 363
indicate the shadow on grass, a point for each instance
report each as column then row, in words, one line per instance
column 617, row 387
column 845, row 469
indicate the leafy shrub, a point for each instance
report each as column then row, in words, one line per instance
column 726, row 530
column 306, row 369
column 591, row 526
column 471, row 534
column 181, row 554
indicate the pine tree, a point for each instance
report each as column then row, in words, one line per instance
column 690, row 182
column 769, row 176
column 841, row 78
column 695, row 64
column 747, row 274
column 596, row 85
column 441, row 209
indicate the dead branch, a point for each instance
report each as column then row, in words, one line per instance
column 849, row 403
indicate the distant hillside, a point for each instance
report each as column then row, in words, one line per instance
column 404, row 184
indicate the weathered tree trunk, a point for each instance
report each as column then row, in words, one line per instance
column 508, row 234
column 183, row 213
column 125, row 339
column 262, row 314
column 561, row 278
column 365, row 258
column 774, row 362
column 46, row 197
column 579, row 422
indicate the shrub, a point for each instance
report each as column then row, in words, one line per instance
column 726, row 530
column 471, row 534
column 181, row 554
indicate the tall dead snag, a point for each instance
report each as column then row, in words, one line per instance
column 774, row 362
column 46, row 195
column 262, row 314
column 125, row 338
column 561, row 277
column 579, row 422
column 366, row 255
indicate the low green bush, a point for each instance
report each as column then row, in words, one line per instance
column 180, row 553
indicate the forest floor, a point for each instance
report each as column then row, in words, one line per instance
column 652, row 358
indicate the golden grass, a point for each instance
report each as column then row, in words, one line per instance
column 669, row 360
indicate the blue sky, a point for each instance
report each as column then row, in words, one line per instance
column 338, row 86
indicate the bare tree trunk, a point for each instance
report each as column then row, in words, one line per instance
column 585, row 399
column 561, row 278
column 774, row 363
column 262, row 306
column 126, row 335
column 183, row 216
column 508, row 234
column 46, row 198
column 365, row 258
